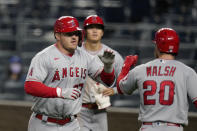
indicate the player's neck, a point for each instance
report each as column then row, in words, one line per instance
column 90, row 46
column 166, row 57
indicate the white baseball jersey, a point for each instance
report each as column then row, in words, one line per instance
column 56, row 69
column 89, row 97
column 163, row 88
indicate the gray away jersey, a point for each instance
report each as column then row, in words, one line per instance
column 55, row 69
column 163, row 88
column 88, row 96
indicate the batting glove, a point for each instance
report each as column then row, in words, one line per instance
column 108, row 59
column 129, row 61
column 68, row 93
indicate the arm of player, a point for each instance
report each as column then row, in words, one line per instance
column 129, row 61
column 39, row 89
column 108, row 74
column 191, row 85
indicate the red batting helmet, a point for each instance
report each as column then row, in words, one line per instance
column 93, row 19
column 167, row 40
column 66, row 24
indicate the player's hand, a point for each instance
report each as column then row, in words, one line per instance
column 130, row 60
column 108, row 59
column 68, row 93
column 108, row 92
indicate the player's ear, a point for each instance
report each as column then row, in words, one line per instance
column 57, row 36
column 102, row 33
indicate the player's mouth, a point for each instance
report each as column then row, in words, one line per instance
column 74, row 42
column 95, row 35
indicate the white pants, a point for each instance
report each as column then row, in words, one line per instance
column 92, row 120
column 36, row 124
column 160, row 128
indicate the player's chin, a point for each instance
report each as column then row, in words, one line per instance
column 95, row 40
column 73, row 48
column 73, row 45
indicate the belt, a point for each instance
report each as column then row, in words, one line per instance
column 55, row 120
column 90, row 105
column 161, row 123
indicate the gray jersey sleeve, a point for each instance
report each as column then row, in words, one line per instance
column 192, row 85
column 118, row 63
column 128, row 83
column 38, row 69
column 95, row 66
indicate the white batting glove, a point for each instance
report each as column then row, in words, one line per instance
column 108, row 59
column 68, row 93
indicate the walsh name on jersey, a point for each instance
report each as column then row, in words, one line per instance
column 160, row 70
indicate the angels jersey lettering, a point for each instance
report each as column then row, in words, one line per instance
column 55, row 69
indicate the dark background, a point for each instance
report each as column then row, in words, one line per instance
column 26, row 27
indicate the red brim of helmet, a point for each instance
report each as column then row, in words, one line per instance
column 73, row 29
column 69, row 30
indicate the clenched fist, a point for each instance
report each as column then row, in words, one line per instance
column 68, row 93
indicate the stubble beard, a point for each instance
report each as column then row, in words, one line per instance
column 70, row 50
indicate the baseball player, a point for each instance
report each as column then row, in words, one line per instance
column 57, row 76
column 163, row 83
column 93, row 115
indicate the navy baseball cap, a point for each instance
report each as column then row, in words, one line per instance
column 14, row 59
